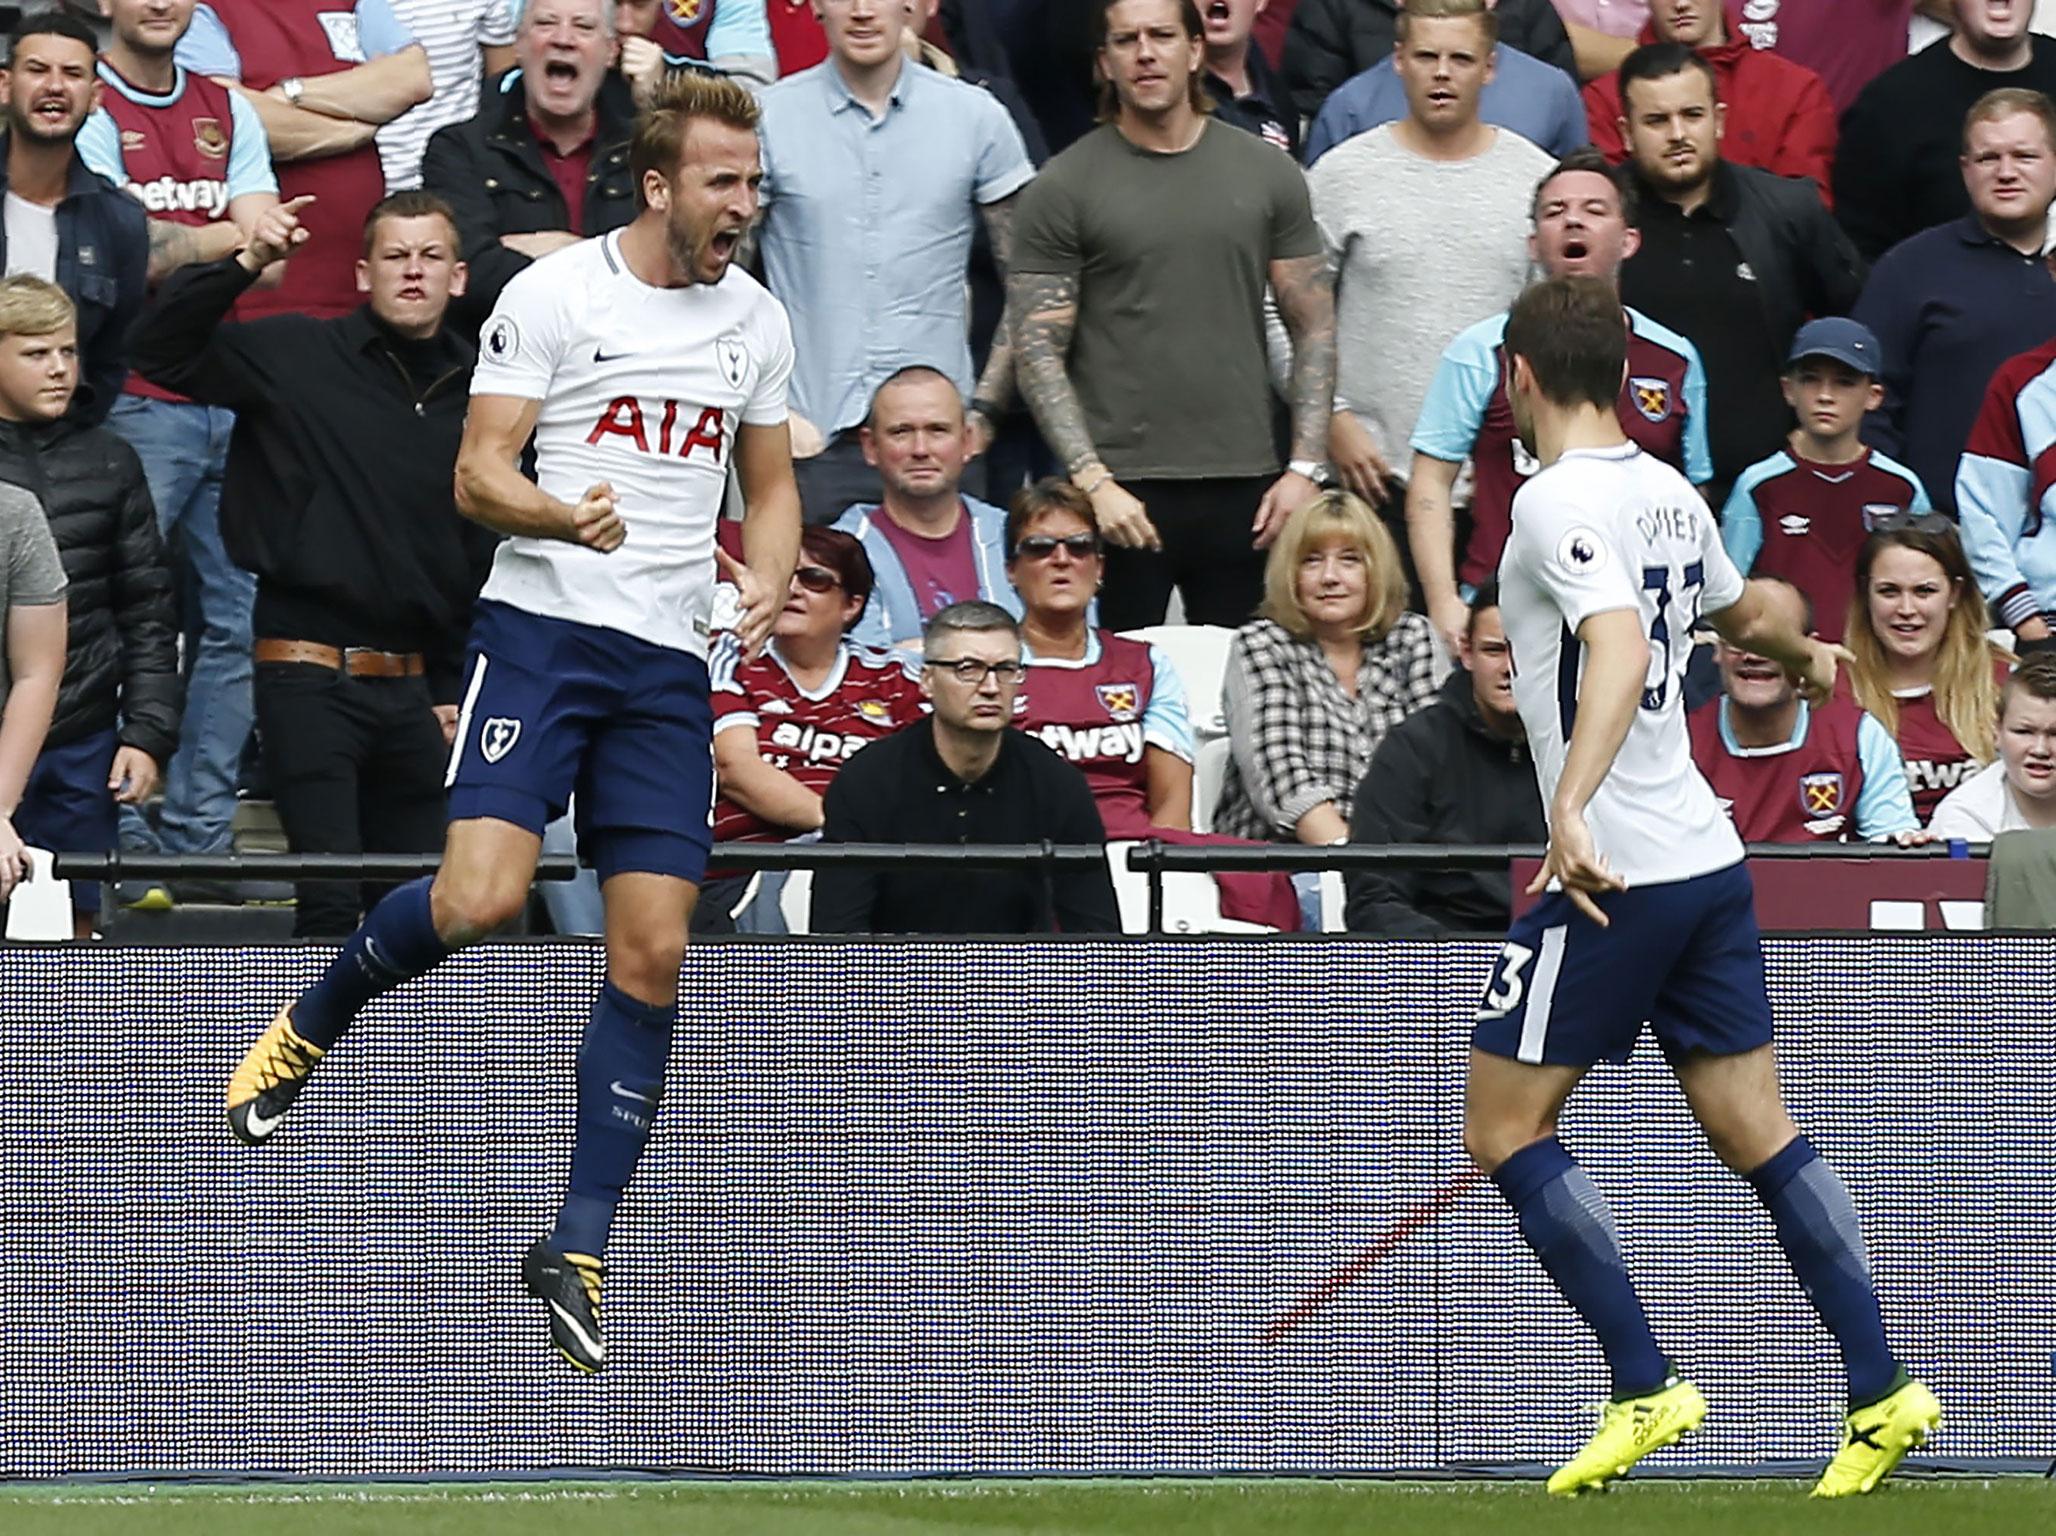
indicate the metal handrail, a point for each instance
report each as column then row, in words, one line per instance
column 1152, row 859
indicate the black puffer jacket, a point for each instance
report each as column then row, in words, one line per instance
column 1330, row 40
column 121, row 656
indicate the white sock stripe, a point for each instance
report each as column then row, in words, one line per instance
column 1542, row 993
column 464, row 721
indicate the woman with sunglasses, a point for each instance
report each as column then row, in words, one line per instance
column 1921, row 662
column 1333, row 663
column 785, row 723
column 1114, row 707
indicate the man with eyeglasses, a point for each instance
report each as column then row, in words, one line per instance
column 964, row 776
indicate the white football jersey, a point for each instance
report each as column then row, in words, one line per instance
column 1598, row 530
column 643, row 388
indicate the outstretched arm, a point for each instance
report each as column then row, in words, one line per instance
column 1766, row 629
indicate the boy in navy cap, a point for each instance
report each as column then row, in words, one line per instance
column 1803, row 514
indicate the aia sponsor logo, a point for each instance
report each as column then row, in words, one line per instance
column 625, row 417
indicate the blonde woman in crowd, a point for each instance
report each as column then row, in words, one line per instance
column 1922, row 663
column 1332, row 663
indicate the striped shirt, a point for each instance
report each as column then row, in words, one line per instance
column 452, row 32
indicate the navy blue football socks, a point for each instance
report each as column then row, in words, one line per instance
column 1823, row 1242
column 620, row 1081
column 396, row 943
column 1567, row 1224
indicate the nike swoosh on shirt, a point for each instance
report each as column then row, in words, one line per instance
column 600, row 356
column 629, row 1093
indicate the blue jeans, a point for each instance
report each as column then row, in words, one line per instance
column 183, row 448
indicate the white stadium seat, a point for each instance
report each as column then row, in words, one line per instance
column 1200, row 653
column 41, row 905
column 1192, row 903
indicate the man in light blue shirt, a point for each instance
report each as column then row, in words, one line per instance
column 929, row 544
column 876, row 170
column 196, row 156
column 1533, row 99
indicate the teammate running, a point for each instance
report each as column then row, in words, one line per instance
column 1649, row 915
column 640, row 363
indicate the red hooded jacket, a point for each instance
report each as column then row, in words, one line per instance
column 1780, row 116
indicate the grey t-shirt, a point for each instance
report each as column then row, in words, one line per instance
column 1425, row 248
column 31, row 575
column 1172, row 253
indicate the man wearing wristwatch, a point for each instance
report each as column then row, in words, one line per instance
column 1136, row 299
column 324, row 76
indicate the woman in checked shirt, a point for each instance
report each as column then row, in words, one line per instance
column 1314, row 683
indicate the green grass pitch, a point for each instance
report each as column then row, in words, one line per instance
column 1912, row 1506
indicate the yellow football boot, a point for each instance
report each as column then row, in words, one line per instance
column 1876, row 1439
column 1628, row 1431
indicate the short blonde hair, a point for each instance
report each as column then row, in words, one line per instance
column 1329, row 515
column 658, row 143
column 30, row 306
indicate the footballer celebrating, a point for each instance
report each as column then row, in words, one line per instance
column 1649, row 915
column 641, row 364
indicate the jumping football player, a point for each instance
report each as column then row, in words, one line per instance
column 641, row 363
column 1648, row 915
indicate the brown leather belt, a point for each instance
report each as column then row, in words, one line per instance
column 350, row 659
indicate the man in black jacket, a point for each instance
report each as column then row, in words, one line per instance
column 1331, row 40
column 964, row 775
column 338, row 496
column 63, row 223
column 1456, row 772
column 1733, row 258
column 121, row 650
column 544, row 164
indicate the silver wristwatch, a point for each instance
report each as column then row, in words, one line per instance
column 1312, row 469
column 292, row 88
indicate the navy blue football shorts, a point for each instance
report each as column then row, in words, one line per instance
column 552, row 707
column 1685, row 958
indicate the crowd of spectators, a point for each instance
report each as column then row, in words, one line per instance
column 1106, row 312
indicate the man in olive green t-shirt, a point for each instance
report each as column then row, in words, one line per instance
column 1136, row 287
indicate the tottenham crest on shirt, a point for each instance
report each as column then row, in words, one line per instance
column 498, row 737
column 733, row 358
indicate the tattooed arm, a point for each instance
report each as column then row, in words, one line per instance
column 183, row 245
column 1305, row 286
column 1042, row 308
column 995, row 387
